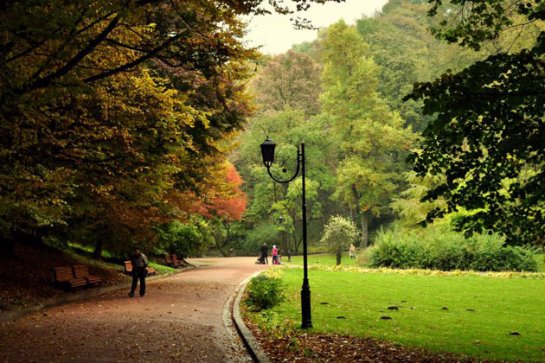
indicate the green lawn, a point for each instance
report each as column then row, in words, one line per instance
column 319, row 260
column 469, row 314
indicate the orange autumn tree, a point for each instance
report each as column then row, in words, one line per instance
column 231, row 204
column 228, row 208
column 205, row 214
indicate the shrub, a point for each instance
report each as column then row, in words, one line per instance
column 339, row 233
column 185, row 239
column 264, row 292
column 439, row 247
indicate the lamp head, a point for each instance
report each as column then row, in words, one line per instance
column 267, row 152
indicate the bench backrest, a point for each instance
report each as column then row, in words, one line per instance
column 62, row 273
column 128, row 266
column 168, row 259
column 80, row 270
column 174, row 258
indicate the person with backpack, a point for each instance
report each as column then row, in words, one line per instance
column 139, row 263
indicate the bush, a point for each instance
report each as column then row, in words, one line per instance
column 264, row 292
column 339, row 233
column 439, row 247
column 185, row 239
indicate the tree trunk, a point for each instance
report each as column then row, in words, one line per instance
column 338, row 255
column 364, row 217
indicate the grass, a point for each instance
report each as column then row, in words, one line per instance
column 86, row 250
column 162, row 269
column 470, row 314
column 320, row 260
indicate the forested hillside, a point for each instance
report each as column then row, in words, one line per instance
column 346, row 96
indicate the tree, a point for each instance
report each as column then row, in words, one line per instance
column 289, row 80
column 228, row 207
column 268, row 199
column 489, row 129
column 400, row 43
column 339, row 233
column 108, row 108
column 372, row 140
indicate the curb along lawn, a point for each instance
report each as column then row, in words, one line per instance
column 500, row 318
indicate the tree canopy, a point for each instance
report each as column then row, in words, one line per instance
column 114, row 114
column 489, row 127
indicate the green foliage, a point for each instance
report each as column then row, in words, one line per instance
column 400, row 43
column 185, row 239
column 373, row 140
column 409, row 205
column 488, row 135
column 259, row 234
column 290, row 80
column 438, row 247
column 114, row 115
column 269, row 200
column 339, row 233
column 264, row 292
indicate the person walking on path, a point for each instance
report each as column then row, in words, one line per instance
column 352, row 251
column 264, row 254
column 275, row 260
column 139, row 263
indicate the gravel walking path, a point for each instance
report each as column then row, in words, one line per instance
column 180, row 319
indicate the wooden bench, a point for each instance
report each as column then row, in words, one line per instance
column 82, row 271
column 127, row 269
column 63, row 277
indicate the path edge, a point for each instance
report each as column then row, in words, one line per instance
column 250, row 342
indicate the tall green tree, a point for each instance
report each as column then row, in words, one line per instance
column 372, row 139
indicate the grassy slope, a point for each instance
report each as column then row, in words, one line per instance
column 482, row 311
column 26, row 275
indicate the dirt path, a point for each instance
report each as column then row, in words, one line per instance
column 179, row 320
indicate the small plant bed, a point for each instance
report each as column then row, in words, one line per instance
column 493, row 317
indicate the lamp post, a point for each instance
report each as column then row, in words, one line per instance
column 267, row 152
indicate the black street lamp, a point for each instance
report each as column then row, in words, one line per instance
column 267, row 152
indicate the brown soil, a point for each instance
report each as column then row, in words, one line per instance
column 180, row 319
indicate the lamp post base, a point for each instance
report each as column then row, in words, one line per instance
column 306, row 321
